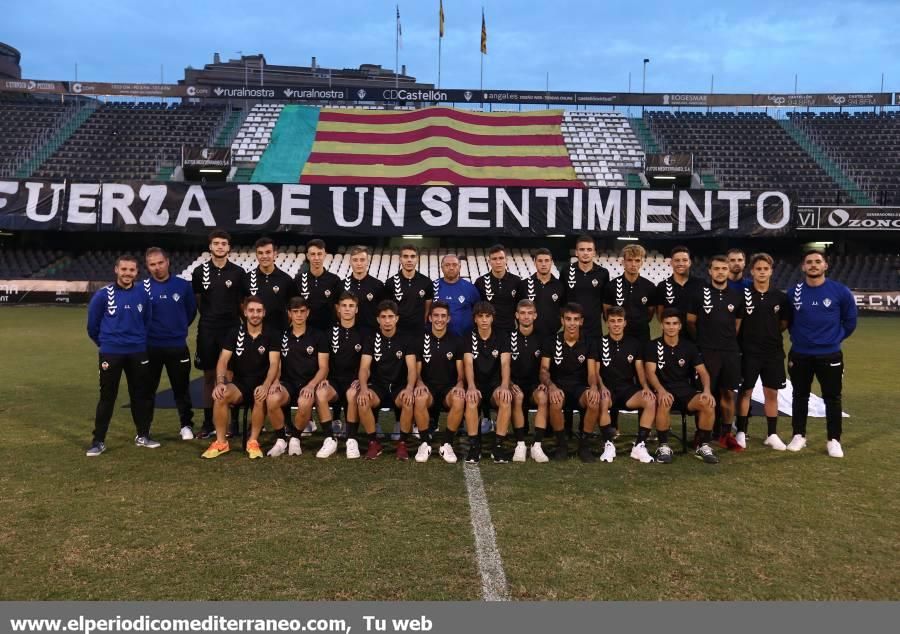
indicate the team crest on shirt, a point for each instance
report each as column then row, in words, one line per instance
column 581, row 358
column 105, row 365
column 495, row 353
column 369, row 296
column 461, row 299
column 537, row 353
column 275, row 289
column 630, row 358
column 449, row 356
column 777, row 308
column 555, row 297
column 594, row 283
column 643, row 300
column 357, row 347
column 421, row 292
column 261, row 349
column 681, row 363
column 141, row 306
column 327, row 292
column 730, row 308
column 228, row 283
column 309, row 350
column 399, row 354
column 826, row 301
column 514, row 291
column 176, row 296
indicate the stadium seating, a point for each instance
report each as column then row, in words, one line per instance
column 125, row 141
column 25, row 125
column 601, row 144
column 256, row 132
column 745, row 151
column 866, row 145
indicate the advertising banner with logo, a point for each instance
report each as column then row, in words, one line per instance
column 851, row 218
column 329, row 210
column 878, row 301
column 669, row 164
column 830, row 100
column 192, row 156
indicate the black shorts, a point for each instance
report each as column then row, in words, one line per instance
column 573, row 395
column 682, row 396
column 724, row 367
column 247, row 385
column 622, row 395
column 438, row 395
column 387, row 394
column 340, row 385
column 527, row 390
column 210, row 342
column 769, row 368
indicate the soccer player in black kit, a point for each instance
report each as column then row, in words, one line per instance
column 252, row 351
column 584, row 282
column 545, row 291
column 412, row 291
column 319, row 287
column 368, row 290
column 270, row 284
column 387, row 375
column 525, row 367
column 487, row 377
column 715, row 319
column 671, row 362
column 633, row 292
column 345, row 341
column 304, row 364
column 767, row 314
column 678, row 290
column 218, row 289
column 440, row 386
column 499, row 288
column 565, row 373
column 621, row 367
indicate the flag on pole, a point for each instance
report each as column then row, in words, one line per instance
column 399, row 28
column 483, row 34
column 441, row 19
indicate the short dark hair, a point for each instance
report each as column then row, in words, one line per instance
column 615, row 311
column 718, row 258
column 679, row 249
column 585, row 238
column 219, row 233
column 409, row 247
column 484, row 308
column 497, row 248
column 359, row 249
column 387, row 304
column 735, row 250
column 297, row 302
column 439, row 303
column 127, row 257
column 573, row 308
column 810, row 252
column 316, row 242
column 253, row 299
column 156, row 251
column 671, row 312
column 348, row 295
column 542, row 251
column 263, row 242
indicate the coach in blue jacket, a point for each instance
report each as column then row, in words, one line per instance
column 824, row 315
column 174, row 308
column 118, row 318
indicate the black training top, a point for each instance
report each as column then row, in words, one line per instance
column 275, row 290
column 636, row 298
column 388, row 354
column 345, row 346
column 760, row 329
column 675, row 365
column 525, row 358
column 321, row 293
column 568, row 363
column 503, row 294
column 220, row 293
column 486, row 357
column 717, row 311
column 547, row 298
column 587, row 290
column 438, row 357
column 369, row 292
column 300, row 355
column 410, row 295
column 250, row 355
column 618, row 360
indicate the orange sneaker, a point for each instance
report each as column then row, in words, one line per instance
column 216, row 449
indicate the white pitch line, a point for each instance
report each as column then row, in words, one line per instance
column 490, row 565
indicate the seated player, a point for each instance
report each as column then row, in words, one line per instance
column 525, row 368
column 671, row 362
column 440, row 385
column 304, row 364
column 387, row 375
column 565, row 365
column 487, row 377
column 252, row 352
column 345, row 345
column 621, row 367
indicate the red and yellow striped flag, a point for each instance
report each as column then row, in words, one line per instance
column 442, row 146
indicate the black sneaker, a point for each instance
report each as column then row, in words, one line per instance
column 706, row 454
column 474, row 455
column 663, row 454
column 562, row 451
column 585, row 454
column 96, row 449
column 500, row 455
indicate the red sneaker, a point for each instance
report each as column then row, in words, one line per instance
column 402, row 452
column 374, row 450
column 729, row 442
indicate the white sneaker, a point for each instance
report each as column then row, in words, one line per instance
column 278, row 448
column 834, row 449
column 294, row 447
column 609, row 452
column 741, row 439
column 520, row 452
column 797, row 443
column 639, row 452
column 309, row 430
column 447, row 453
column 487, row 425
column 775, row 443
column 415, row 433
column 423, row 453
column 187, row 433
column 329, row 447
column 352, row 449
column 537, row 453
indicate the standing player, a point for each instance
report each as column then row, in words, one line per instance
column 499, row 288
column 217, row 285
column 677, row 290
column 304, row 364
column 767, row 313
column 546, row 293
column 270, row 284
column 460, row 295
column 525, row 367
column 715, row 320
column 487, row 377
column 345, row 343
column 387, row 375
column 621, row 367
column 824, row 315
column 174, row 308
column 319, row 287
column 737, row 263
column 440, row 385
column 252, row 353
column 633, row 292
column 584, row 282
column 367, row 289
column 671, row 363
column 565, row 374
column 118, row 318
column 412, row 292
